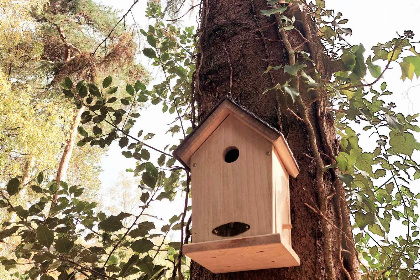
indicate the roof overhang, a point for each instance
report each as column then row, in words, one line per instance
column 225, row 108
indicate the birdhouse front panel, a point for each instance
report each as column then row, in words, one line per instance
column 232, row 184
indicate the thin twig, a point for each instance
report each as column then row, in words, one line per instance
column 132, row 137
column 129, row 229
column 177, row 267
column 380, row 76
column 14, row 210
column 115, row 26
column 192, row 7
column 295, row 115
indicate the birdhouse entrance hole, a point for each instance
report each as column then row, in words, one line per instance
column 230, row 229
column 231, row 154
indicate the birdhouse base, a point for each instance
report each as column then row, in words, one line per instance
column 242, row 254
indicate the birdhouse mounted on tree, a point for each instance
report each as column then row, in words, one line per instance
column 240, row 168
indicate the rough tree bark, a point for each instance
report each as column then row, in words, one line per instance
column 237, row 44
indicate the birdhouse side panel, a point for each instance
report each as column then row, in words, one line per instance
column 282, row 199
column 232, row 183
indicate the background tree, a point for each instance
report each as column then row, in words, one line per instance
column 43, row 42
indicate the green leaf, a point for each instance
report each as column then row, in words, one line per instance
column 44, row 235
column 13, row 186
column 82, row 131
column 67, row 83
column 129, row 89
column 292, row 92
column 161, row 160
column 175, row 245
column 273, row 11
column 383, row 86
column 158, row 273
column 349, row 60
column 53, row 187
column 362, row 220
column 127, row 267
column 403, row 143
column 123, row 142
column 97, row 130
column 165, row 56
column 365, row 162
column 360, row 66
column 8, row 232
column 83, row 90
column 149, row 179
column 111, row 224
column 376, row 229
column 374, row 70
column 63, row 245
column 107, row 82
column 137, row 156
column 112, row 100
column 40, row 177
column 142, row 246
column 94, row 90
column 142, row 229
column 36, row 189
column 145, row 154
column 112, row 90
column 150, row 175
column 148, row 136
column 150, row 53
column 346, row 178
column 293, row 69
column 125, row 101
column 144, row 197
column 151, row 40
column 410, row 66
column 170, row 162
column 139, row 86
column 310, row 81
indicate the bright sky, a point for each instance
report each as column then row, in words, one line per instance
column 372, row 21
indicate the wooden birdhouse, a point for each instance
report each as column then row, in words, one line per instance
column 240, row 168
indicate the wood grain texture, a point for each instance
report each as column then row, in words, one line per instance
column 242, row 254
column 282, row 198
column 240, row 191
column 194, row 141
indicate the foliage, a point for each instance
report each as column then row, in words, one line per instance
column 378, row 176
column 120, row 245
column 41, row 41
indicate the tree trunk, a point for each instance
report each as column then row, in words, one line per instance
column 68, row 150
column 237, row 44
column 27, row 171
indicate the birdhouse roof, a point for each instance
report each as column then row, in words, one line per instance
column 227, row 107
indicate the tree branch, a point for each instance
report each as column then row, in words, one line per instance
column 115, row 26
